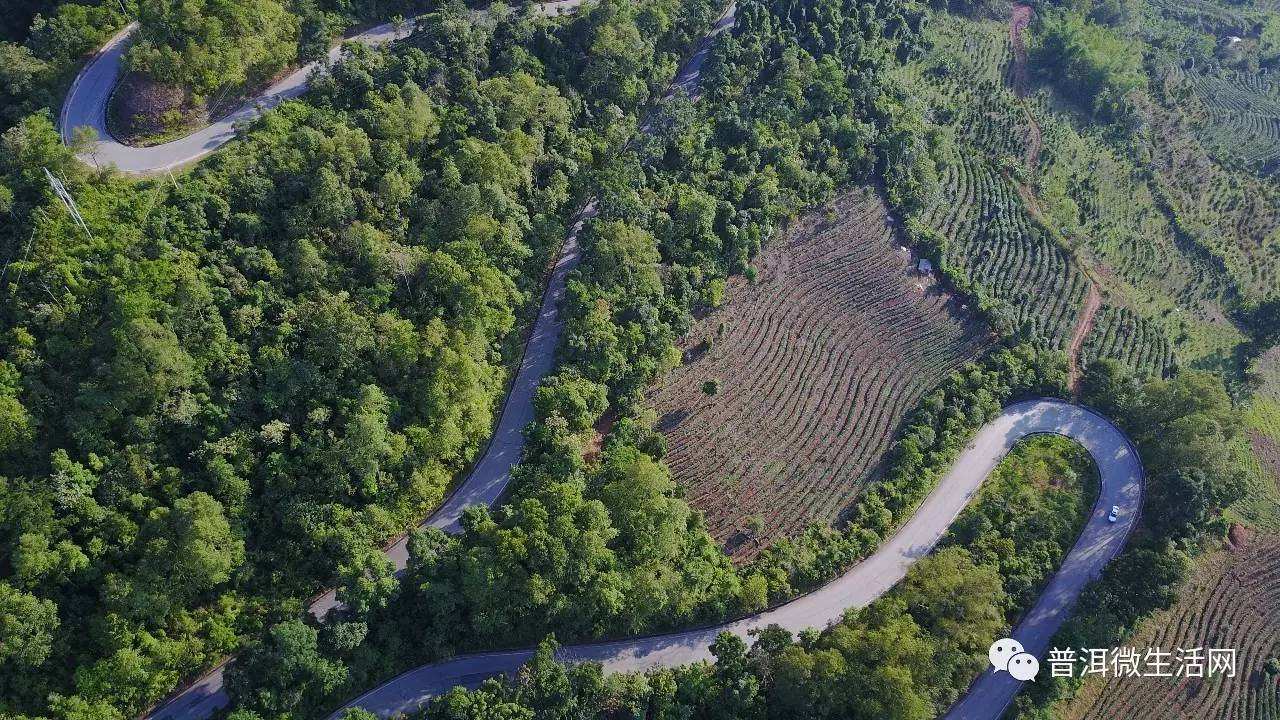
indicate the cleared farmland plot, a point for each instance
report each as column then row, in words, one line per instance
column 1229, row 602
column 816, row 364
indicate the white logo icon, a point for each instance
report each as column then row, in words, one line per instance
column 1001, row 650
column 1009, row 655
column 1024, row 666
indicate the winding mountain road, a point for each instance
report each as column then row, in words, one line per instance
column 491, row 474
column 1120, row 469
column 1121, row 474
column 86, row 103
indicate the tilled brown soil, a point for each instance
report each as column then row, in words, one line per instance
column 817, row 365
column 1230, row 602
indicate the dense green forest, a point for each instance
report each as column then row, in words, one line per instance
column 608, row 547
column 208, row 46
column 904, row 657
column 225, row 397
column 229, row 393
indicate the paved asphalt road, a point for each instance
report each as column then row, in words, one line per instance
column 1121, row 475
column 1120, row 470
column 86, row 104
column 1099, row 542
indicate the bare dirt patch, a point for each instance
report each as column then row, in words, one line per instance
column 143, row 112
column 141, row 107
column 817, row 364
column 1268, row 451
column 1092, row 304
column 1238, row 535
column 1018, row 22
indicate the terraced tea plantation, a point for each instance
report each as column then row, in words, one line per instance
column 1120, row 333
column 793, row 389
column 1258, row 452
column 997, row 244
column 1229, row 602
column 1266, row 447
column 1031, row 196
column 1214, row 133
column 992, row 238
column 1244, row 118
column 1206, row 15
column 1102, row 201
column 1232, row 213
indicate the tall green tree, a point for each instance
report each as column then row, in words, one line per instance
column 205, row 45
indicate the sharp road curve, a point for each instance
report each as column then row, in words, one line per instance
column 90, row 93
column 1121, row 474
column 1120, row 469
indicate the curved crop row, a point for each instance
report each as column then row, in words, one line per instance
column 1120, row 333
column 995, row 241
column 820, row 359
column 1210, row 17
column 1229, row 603
column 1211, row 177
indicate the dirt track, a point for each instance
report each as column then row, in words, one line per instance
column 1019, row 19
column 1087, row 317
column 1018, row 22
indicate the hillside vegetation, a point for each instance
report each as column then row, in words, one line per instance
column 235, row 389
column 1228, row 603
column 1095, row 210
column 227, row 389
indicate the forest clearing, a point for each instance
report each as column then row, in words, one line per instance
column 816, row 363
